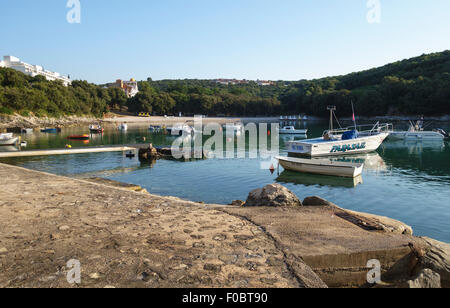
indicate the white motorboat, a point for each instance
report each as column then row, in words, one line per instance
column 236, row 127
column 8, row 139
column 181, row 130
column 96, row 129
column 322, row 166
column 123, row 127
column 155, row 129
column 27, row 131
column 290, row 130
column 417, row 132
column 343, row 141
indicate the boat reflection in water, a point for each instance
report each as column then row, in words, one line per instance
column 314, row 179
column 372, row 161
column 415, row 146
column 8, row 148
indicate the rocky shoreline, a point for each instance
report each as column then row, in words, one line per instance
column 125, row 237
column 19, row 122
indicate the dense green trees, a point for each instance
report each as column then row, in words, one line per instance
column 24, row 94
column 419, row 85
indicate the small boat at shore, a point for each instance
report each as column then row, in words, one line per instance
column 96, row 129
column 123, row 127
column 51, row 130
column 321, row 166
column 79, row 137
column 155, row 129
column 290, row 130
column 181, row 130
column 8, row 139
column 26, row 130
column 237, row 127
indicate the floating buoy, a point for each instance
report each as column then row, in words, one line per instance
column 68, row 146
column 268, row 133
column 272, row 169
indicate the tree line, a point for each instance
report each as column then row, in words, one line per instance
column 419, row 85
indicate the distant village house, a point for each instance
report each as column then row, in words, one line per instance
column 129, row 87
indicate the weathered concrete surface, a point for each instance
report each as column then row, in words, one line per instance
column 337, row 249
column 130, row 239
column 436, row 256
column 426, row 279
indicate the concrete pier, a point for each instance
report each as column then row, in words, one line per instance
column 84, row 150
column 124, row 238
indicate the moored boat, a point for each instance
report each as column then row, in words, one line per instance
column 8, row 139
column 290, row 130
column 123, row 127
column 181, row 130
column 79, row 137
column 236, row 127
column 155, row 129
column 96, row 129
column 343, row 141
column 51, row 130
column 26, row 130
column 321, row 166
column 417, row 132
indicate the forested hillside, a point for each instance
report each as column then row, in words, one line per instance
column 415, row 86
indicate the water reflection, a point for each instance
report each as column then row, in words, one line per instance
column 372, row 161
column 8, row 148
column 415, row 147
column 320, row 180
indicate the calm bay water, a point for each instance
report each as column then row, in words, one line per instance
column 408, row 181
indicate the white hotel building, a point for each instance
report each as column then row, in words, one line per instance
column 32, row 70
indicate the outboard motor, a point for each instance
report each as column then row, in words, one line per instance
column 443, row 132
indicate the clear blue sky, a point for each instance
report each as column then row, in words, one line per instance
column 265, row 39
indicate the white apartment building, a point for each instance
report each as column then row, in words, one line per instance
column 32, row 70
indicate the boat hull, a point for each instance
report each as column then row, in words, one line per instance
column 316, row 147
column 78, row 137
column 293, row 132
column 322, row 167
column 11, row 141
column 423, row 135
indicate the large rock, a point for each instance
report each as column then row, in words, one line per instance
column 274, row 195
column 427, row 279
column 437, row 258
column 316, row 201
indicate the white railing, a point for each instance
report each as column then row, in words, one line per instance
column 364, row 130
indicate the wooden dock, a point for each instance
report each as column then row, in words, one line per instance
column 81, row 150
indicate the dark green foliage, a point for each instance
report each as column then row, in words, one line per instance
column 419, row 85
column 24, row 94
column 415, row 86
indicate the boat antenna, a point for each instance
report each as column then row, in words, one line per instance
column 354, row 118
column 332, row 109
